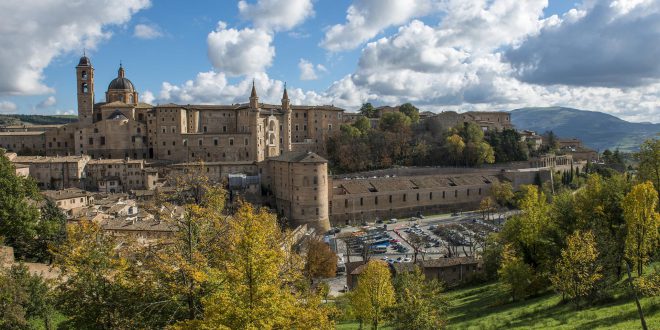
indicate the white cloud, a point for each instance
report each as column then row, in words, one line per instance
column 308, row 71
column 147, row 97
column 7, row 106
column 65, row 112
column 276, row 15
column 48, row 102
column 147, row 31
column 52, row 28
column 607, row 43
column 240, row 52
column 366, row 18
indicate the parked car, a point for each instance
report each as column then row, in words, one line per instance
column 407, row 259
column 393, row 220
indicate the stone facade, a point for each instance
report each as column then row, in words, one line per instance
column 55, row 172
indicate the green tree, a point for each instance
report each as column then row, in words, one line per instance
column 363, row 124
column 420, row 304
column 578, row 270
column 374, row 294
column 642, row 223
column 19, row 216
column 92, row 290
column 503, row 193
column 13, row 301
column 514, row 274
column 368, row 110
column 395, row 122
column 51, row 231
column 649, row 162
column 411, row 111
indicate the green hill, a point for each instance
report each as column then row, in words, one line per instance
column 36, row 119
column 597, row 130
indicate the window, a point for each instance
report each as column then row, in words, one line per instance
column 376, row 200
column 468, row 192
column 345, row 203
column 455, row 193
column 215, row 142
column 329, row 127
column 246, row 141
column 316, row 180
column 91, row 141
column 405, row 197
column 443, row 195
column 231, row 142
column 361, row 201
column 479, row 191
column 296, row 127
column 431, row 196
column 200, row 142
column 103, row 140
column 84, row 88
column 317, row 211
column 205, row 130
column 417, row 196
column 83, row 75
column 390, row 199
column 224, row 129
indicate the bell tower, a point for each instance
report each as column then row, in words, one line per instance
column 85, row 88
column 286, row 125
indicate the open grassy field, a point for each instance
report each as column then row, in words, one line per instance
column 483, row 307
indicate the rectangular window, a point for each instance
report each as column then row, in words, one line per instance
column 231, row 142
column 200, row 141
column 390, row 199
column 376, row 200
column 215, row 142
column 103, row 140
column 455, row 193
column 431, row 196
column 91, row 141
column 417, row 196
column 361, row 201
column 246, row 141
column 404, row 197
column 345, row 203
column 224, row 129
column 443, row 195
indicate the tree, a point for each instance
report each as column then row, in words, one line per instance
column 374, row 294
column 578, row 269
column 321, row 260
column 13, row 301
column 550, row 141
column 503, row 193
column 455, row 147
column 420, row 304
column 395, row 122
column 486, row 206
column 256, row 289
column 368, row 110
column 411, row 111
column 514, row 274
column 92, row 290
column 51, row 231
column 363, row 124
column 18, row 213
column 642, row 223
column 649, row 162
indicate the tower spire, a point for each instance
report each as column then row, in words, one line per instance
column 286, row 95
column 254, row 99
column 121, row 73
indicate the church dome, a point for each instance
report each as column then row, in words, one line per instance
column 121, row 82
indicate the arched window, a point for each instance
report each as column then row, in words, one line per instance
column 130, row 98
column 84, row 88
column 83, row 75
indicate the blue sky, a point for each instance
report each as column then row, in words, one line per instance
column 479, row 71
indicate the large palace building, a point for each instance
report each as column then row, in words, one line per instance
column 123, row 145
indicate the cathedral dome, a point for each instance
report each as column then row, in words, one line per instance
column 121, row 82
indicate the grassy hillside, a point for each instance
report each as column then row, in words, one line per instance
column 481, row 307
column 596, row 129
column 36, row 119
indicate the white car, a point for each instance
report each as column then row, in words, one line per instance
column 406, row 259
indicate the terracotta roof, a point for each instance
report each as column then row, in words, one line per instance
column 300, row 157
column 64, row 194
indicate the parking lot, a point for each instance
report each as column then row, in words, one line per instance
column 398, row 240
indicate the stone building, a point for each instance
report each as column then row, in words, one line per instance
column 55, row 172
column 119, row 175
column 299, row 184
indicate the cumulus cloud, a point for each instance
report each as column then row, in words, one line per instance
column 48, row 102
column 147, row 97
column 147, row 31
column 52, row 28
column 7, row 106
column 276, row 15
column 366, row 18
column 240, row 52
column 308, row 71
column 607, row 43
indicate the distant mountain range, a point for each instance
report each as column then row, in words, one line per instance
column 36, row 119
column 597, row 130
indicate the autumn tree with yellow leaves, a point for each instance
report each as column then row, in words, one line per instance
column 374, row 294
column 642, row 224
column 578, row 270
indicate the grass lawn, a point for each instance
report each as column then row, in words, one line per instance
column 481, row 307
